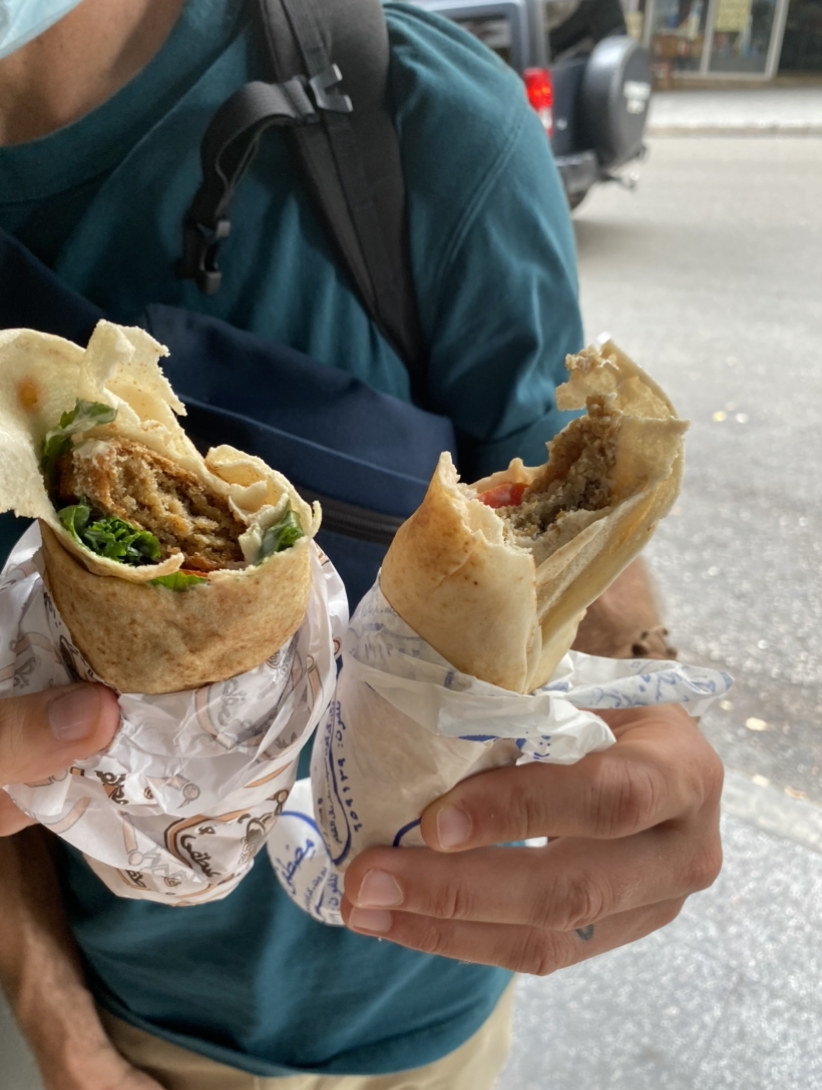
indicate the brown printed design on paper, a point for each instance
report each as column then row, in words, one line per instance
column 189, row 848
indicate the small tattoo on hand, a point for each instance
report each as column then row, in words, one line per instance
column 586, row 933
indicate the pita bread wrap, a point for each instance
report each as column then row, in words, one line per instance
column 497, row 575
column 108, row 417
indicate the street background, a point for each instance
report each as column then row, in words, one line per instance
column 710, row 276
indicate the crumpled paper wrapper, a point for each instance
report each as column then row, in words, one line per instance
column 405, row 727
column 178, row 806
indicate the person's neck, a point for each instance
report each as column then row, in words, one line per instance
column 79, row 63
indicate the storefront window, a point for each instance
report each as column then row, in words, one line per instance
column 802, row 43
column 733, row 38
column 716, row 37
column 742, row 35
column 679, row 33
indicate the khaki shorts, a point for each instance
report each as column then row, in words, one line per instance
column 474, row 1066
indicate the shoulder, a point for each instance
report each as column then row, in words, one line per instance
column 472, row 147
column 432, row 40
column 442, row 78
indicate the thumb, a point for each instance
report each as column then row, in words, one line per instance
column 41, row 734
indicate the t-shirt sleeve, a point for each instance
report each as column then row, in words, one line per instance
column 508, row 315
column 492, row 247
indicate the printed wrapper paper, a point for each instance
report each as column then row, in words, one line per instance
column 405, row 727
column 192, row 784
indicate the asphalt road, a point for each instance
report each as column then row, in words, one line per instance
column 710, row 275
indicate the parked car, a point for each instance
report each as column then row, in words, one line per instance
column 588, row 80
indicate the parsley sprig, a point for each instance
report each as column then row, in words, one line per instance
column 110, row 536
column 280, row 535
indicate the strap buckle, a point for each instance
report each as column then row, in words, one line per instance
column 199, row 258
column 229, row 146
column 326, row 93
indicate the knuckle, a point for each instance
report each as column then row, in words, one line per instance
column 702, row 780
column 626, row 799
column 515, row 810
column 669, row 910
column 532, row 816
column 540, row 953
column 452, row 902
column 519, row 813
column 580, row 901
column 713, row 778
column 704, row 868
column 423, row 933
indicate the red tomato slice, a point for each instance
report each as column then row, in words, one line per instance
column 507, row 494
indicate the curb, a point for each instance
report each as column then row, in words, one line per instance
column 752, row 128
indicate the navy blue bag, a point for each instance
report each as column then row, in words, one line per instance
column 366, row 456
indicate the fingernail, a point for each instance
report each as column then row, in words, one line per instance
column 73, row 716
column 453, row 827
column 375, row 921
column 379, row 890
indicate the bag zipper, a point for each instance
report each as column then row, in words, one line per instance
column 350, row 520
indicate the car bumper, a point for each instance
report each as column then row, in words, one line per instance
column 578, row 172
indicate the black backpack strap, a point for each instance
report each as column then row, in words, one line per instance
column 228, row 147
column 347, row 146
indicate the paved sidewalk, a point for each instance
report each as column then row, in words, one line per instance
column 769, row 110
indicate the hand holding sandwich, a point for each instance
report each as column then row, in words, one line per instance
column 634, row 830
column 189, row 584
column 42, row 734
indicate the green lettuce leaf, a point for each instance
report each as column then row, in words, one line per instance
column 110, row 536
column 280, row 535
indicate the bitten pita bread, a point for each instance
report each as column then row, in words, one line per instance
column 136, row 635
column 499, row 591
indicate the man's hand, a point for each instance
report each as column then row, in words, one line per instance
column 632, row 832
column 41, row 734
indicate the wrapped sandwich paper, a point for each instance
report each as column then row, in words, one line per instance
column 190, row 585
column 458, row 659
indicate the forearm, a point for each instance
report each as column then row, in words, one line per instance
column 625, row 621
column 39, row 967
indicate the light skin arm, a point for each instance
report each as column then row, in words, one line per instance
column 633, row 831
column 41, row 974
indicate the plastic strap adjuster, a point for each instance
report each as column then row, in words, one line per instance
column 199, row 257
column 326, row 93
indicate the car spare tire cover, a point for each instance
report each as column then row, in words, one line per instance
column 614, row 99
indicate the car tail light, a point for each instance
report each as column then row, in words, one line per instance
column 540, row 91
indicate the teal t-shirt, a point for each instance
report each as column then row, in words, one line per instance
column 250, row 980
